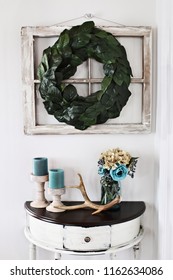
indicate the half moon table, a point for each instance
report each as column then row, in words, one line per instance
column 78, row 232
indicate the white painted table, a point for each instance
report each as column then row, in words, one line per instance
column 78, row 232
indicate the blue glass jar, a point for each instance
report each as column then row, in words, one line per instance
column 110, row 189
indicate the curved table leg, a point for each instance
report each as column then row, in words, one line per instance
column 57, row 256
column 112, row 256
column 32, row 251
column 136, row 251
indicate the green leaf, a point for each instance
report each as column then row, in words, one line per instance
column 79, row 106
column 40, row 71
column 67, row 52
column 54, row 95
column 73, row 31
column 44, row 86
column 55, row 58
column 45, row 58
column 93, row 98
column 126, row 64
column 58, row 77
column 123, row 68
column 80, row 40
column 112, row 41
column 124, row 94
column 75, row 60
column 118, row 78
column 71, row 114
column 105, row 83
column 86, row 27
column 81, row 53
column 70, row 93
column 127, row 79
column 101, row 34
column 45, row 62
column 47, row 51
column 68, row 71
column 63, row 41
column 87, row 122
column 89, row 117
column 50, row 74
column 109, row 97
column 99, row 94
column 93, row 110
column 101, row 55
column 49, row 107
column 48, row 89
column 102, row 117
column 113, row 111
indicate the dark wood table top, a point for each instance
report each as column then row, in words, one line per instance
column 127, row 211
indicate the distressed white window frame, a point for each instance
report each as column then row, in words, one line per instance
column 28, row 80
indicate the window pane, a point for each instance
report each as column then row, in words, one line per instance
column 96, row 69
column 134, row 52
column 40, row 44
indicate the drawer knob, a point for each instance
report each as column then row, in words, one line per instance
column 87, row 239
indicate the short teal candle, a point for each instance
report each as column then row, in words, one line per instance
column 40, row 166
column 56, row 178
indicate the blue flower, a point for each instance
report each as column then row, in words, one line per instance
column 101, row 171
column 119, row 173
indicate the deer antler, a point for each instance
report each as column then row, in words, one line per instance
column 88, row 202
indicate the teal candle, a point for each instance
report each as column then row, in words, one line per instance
column 56, row 178
column 40, row 166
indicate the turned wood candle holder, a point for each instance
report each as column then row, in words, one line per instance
column 40, row 201
column 56, row 195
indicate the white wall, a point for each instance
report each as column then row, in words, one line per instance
column 73, row 153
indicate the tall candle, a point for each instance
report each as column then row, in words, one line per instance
column 40, row 166
column 56, row 178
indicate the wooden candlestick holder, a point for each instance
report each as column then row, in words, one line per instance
column 40, row 201
column 56, row 194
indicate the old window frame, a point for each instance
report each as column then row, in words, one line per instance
column 28, row 83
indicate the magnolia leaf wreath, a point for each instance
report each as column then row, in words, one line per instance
column 60, row 62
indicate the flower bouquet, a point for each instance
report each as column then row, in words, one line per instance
column 113, row 166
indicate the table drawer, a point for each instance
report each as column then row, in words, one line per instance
column 86, row 239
